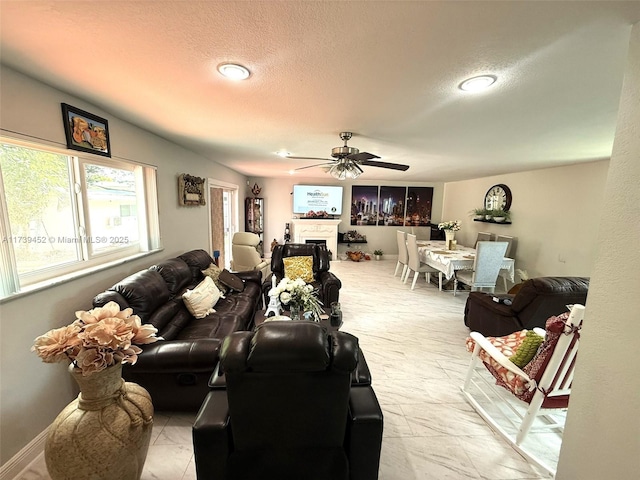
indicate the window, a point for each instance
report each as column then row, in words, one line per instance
column 62, row 213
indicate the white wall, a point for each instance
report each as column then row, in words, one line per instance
column 602, row 436
column 33, row 393
column 555, row 216
column 278, row 211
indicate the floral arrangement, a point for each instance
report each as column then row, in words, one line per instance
column 97, row 339
column 298, row 294
column 450, row 225
column 319, row 214
column 353, row 235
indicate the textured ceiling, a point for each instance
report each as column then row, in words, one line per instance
column 387, row 71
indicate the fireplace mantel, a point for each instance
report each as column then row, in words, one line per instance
column 314, row 229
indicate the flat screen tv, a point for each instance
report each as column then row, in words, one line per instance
column 317, row 199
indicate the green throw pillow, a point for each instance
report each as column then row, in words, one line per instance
column 527, row 350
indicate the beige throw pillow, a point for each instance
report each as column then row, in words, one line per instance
column 299, row 267
column 201, row 300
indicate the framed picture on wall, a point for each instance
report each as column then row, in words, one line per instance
column 392, row 206
column 419, row 201
column 364, row 205
column 190, row 190
column 86, row 132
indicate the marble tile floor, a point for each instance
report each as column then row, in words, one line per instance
column 414, row 344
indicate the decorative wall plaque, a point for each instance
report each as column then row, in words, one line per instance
column 190, row 190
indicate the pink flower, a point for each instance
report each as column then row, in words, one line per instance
column 113, row 333
column 142, row 334
column 58, row 344
column 97, row 339
column 110, row 310
column 90, row 360
column 130, row 355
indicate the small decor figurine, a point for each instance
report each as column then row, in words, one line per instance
column 274, row 308
column 255, row 190
column 274, row 244
column 287, row 233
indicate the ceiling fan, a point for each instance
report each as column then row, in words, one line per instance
column 348, row 161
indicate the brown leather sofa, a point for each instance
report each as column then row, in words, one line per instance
column 537, row 300
column 326, row 283
column 290, row 409
column 176, row 370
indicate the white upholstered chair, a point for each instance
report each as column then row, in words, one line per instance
column 417, row 267
column 486, row 266
column 403, row 256
column 245, row 256
column 511, row 253
column 483, row 237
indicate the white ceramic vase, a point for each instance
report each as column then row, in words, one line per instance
column 449, row 236
column 103, row 434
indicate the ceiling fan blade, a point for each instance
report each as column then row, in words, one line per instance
column 392, row 166
column 308, row 158
column 359, row 157
column 316, row 165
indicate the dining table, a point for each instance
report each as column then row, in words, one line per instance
column 435, row 254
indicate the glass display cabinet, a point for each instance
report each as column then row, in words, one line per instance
column 254, row 218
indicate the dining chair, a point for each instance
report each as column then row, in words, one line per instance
column 483, row 237
column 403, row 256
column 486, row 266
column 418, row 267
column 511, row 253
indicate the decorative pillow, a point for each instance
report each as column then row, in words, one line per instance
column 299, row 267
column 202, row 298
column 231, row 280
column 527, row 349
column 508, row 345
column 214, row 272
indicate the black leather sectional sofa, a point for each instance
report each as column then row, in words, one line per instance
column 176, row 370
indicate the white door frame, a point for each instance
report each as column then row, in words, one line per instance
column 234, row 220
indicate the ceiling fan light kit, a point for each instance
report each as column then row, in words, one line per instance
column 348, row 160
column 345, row 169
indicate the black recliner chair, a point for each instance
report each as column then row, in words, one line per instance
column 536, row 300
column 326, row 283
column 289, row 411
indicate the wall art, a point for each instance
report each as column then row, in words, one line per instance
column 364, row 205
column 86, row 132
column 190, row 190
column 419, row 201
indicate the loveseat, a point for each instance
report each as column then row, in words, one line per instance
column 536, row 300
column 176, row 370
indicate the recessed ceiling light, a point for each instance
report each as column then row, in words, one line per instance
column 476, row 84
column 283, row 153
column 292, row 172
column 234, row 71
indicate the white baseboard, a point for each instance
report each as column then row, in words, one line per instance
column 21, row 460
